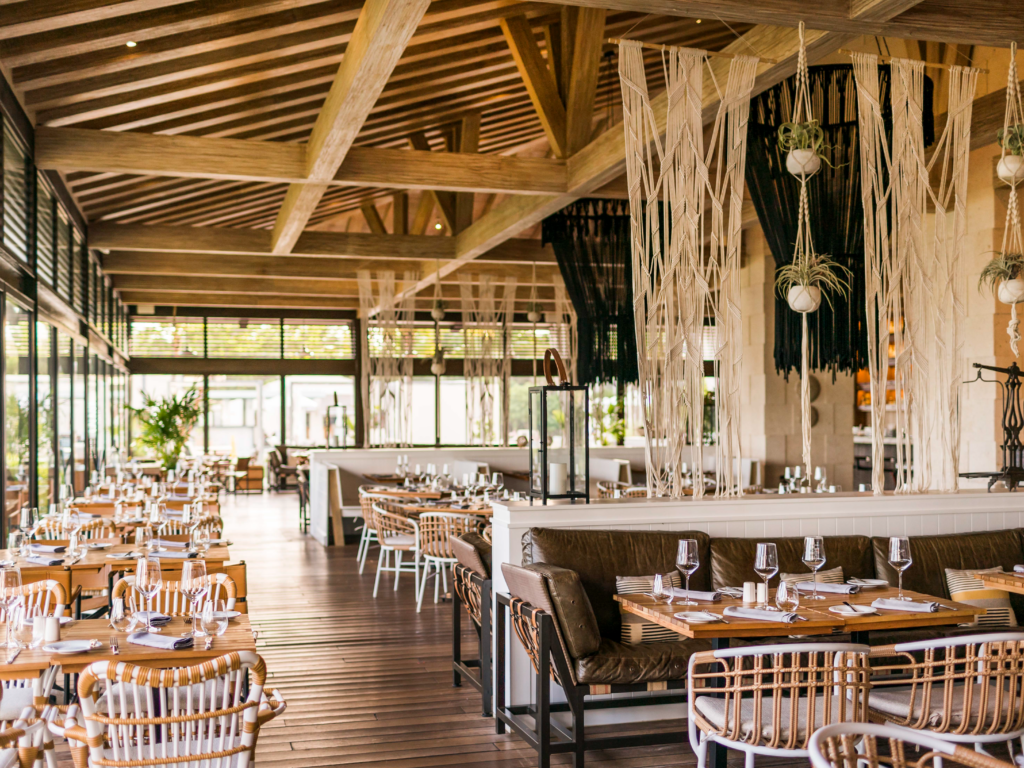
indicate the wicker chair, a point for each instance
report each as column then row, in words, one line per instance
column 436, row 532
column 213, row 523
column 171, row 601
column 100, row 528
column 606, row 490
column 771, row 698
column 396, row 534
column 850, row 745
column 966, row 690
column 368, row 538
column 472, row 587
column 21, row 744
column 222, row 731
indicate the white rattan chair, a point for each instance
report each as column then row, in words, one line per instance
column 771, row 698
column 21, row 745
column 860, row 745
column 368, row 537
column 100, row 528
column 213, row 523
column 220, row 732
column 396, row 535
column 170, row 601
column 436, row 532
column 966, row 690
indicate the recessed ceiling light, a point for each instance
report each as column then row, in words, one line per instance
column 437, row 225
column 131, row 43
column 699, row 20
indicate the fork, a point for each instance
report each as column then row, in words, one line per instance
column 115, row 649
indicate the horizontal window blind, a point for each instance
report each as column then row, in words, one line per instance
column 44, row 231
column 63, row 254
column 78, row 272
column 167, row 337
column 15, row 200
column 318, row 339
column 242, row 337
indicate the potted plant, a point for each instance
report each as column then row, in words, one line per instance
column 1011, row 166
column 437, row 311
column 805, row 146
column 1002, row 275
column 802, row 280
column 533, row 313
column 165, row 424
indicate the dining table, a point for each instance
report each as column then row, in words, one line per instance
column 121, row 557
column 1006, row 581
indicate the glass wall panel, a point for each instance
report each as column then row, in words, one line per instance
column 45, row 470
column 453, row 406
column 245, row 414
column 65, row 438
column 81, row 363
column 18, row 403
column 158, row 386
column 306, row 401
column 92, row 416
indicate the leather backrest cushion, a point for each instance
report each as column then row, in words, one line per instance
column 933, row 554
column 573, row 610
column 599, row 556
column 473, row 551
column 732, row 560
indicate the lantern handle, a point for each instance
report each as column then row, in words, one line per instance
column 563, row 375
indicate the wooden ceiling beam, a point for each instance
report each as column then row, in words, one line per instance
column 243, row 300
column 582, row 86
column 34, row 16
column 539, row 80
column 348, row 288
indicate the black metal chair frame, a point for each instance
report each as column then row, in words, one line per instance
column 477, row 672
column 534, row 725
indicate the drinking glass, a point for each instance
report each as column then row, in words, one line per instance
column 787, row 597
column 814, row 558
column 900, row 559
column 687, row 561
column 201, row 540
column 766, row 565
column 658, row 590
column 15, row 541
column 22, row 625
column 498, row 481
column 214, row 618
column 148, row 583
column 121, row 619
column 10, row 597
column 144, row 538
column 194, row 586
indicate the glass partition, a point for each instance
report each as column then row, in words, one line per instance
column 45, row 363
column 78, row 441
column 65, row 439
column 18, row 408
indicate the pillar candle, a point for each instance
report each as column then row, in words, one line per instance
column 558, row 478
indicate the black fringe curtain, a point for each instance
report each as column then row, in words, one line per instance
column 591, row 240
column 838, row 334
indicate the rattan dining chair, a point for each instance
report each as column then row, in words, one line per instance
column 771, row 698
column 21, row 744
column 213, row 523
column 221, row 732
column 872, row 745
column 100, row 528
column 437, row 529
column 368, row 537
column 396, row 535
column 606, row 490
column 967, row 690
column 170, row 600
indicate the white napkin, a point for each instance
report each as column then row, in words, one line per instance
column 48, row 548
column 760, row 614
column 835, row 589
column 892, row 604
column 171, row 544
column 707, row 597
column 43, row 560
column 156, row 618
column 174, row 555
column 166, row 642
column 1018, row 569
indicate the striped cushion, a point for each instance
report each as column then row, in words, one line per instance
column 964, row 588
column 637, row 630
column 831, row 576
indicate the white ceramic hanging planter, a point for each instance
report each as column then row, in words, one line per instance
column 1011, row 291
column 534, row 316
column 803, row 162
column 1011, row 169
column 804, row 298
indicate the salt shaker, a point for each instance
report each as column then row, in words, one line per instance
column 749, row 592
column 52, row 629
column 762, row 593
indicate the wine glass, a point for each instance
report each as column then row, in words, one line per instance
column 121, row 619
column 658, row 589
column 10, row 597
column 214, row 619
column 15, row 541
column 687, row 561
column 900, row 559
column 498, row 481
column 148, row 583
column 201, row 540
column 144, row 538
column 194, row 586
column 787, row 597
column 814, row 558
column 766, row 565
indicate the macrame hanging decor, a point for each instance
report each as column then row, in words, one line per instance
column 808, row 274
column 685, row 203
column 386, row 359
column 1004, row 272
column 915, row 274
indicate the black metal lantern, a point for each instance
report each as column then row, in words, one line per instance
column 559, row 437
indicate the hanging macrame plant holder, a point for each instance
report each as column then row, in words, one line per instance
column 1010, row 170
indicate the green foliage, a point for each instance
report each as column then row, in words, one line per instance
column 1005, row 266
column 165, row 425
column 1013, row 141
column 609, row 428
column 813, row 270
column 807, row 135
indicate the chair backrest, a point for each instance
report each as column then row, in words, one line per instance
column 437, row 529
column 213, row 523
column 170, row 600
column 42, row 598
column 220, row 731
column 844, row 745
column 987, row 668
column 242, row 464
column 100, row 528
column 792, row 690
column 389, row 525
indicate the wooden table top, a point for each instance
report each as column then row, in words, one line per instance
column 33, row 661
column 417, row 509
column 1009, row 582
column 820, row 621
column 97, row 558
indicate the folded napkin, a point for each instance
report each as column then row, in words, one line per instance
column 891, row 604
column 43, row 560
column 760, row 614
column 174, row 555
column 47, row 548
column 1018, row 569
column 156, row 618
column 862, row 582
column 171, row 544
column 731, row 591
column 165, row 642
column 693, row 594
column 835, row 589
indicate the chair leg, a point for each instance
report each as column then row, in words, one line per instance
column 438, row 575
column 749, row 760
column 398, row 566
column 364, row 545
column 578, row 728
column 702, row 751
column 423, row 585
column 382, row 564
column 444, row 578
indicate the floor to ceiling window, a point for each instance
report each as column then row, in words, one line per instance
column 307, row 400
column 45, row 469
column 157, row 386
column 65, row 441
column 17, row 407
column 81, row 364
column 245, row 413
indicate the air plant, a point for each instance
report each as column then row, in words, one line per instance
column 804, row 136
column 1005, row 266
column 1012, row 139
column 813, row 270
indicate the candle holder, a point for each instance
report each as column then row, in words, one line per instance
column 559, row 437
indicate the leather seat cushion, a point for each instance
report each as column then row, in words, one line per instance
column 599, row 556
column 616, row 663
column 732, row 559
